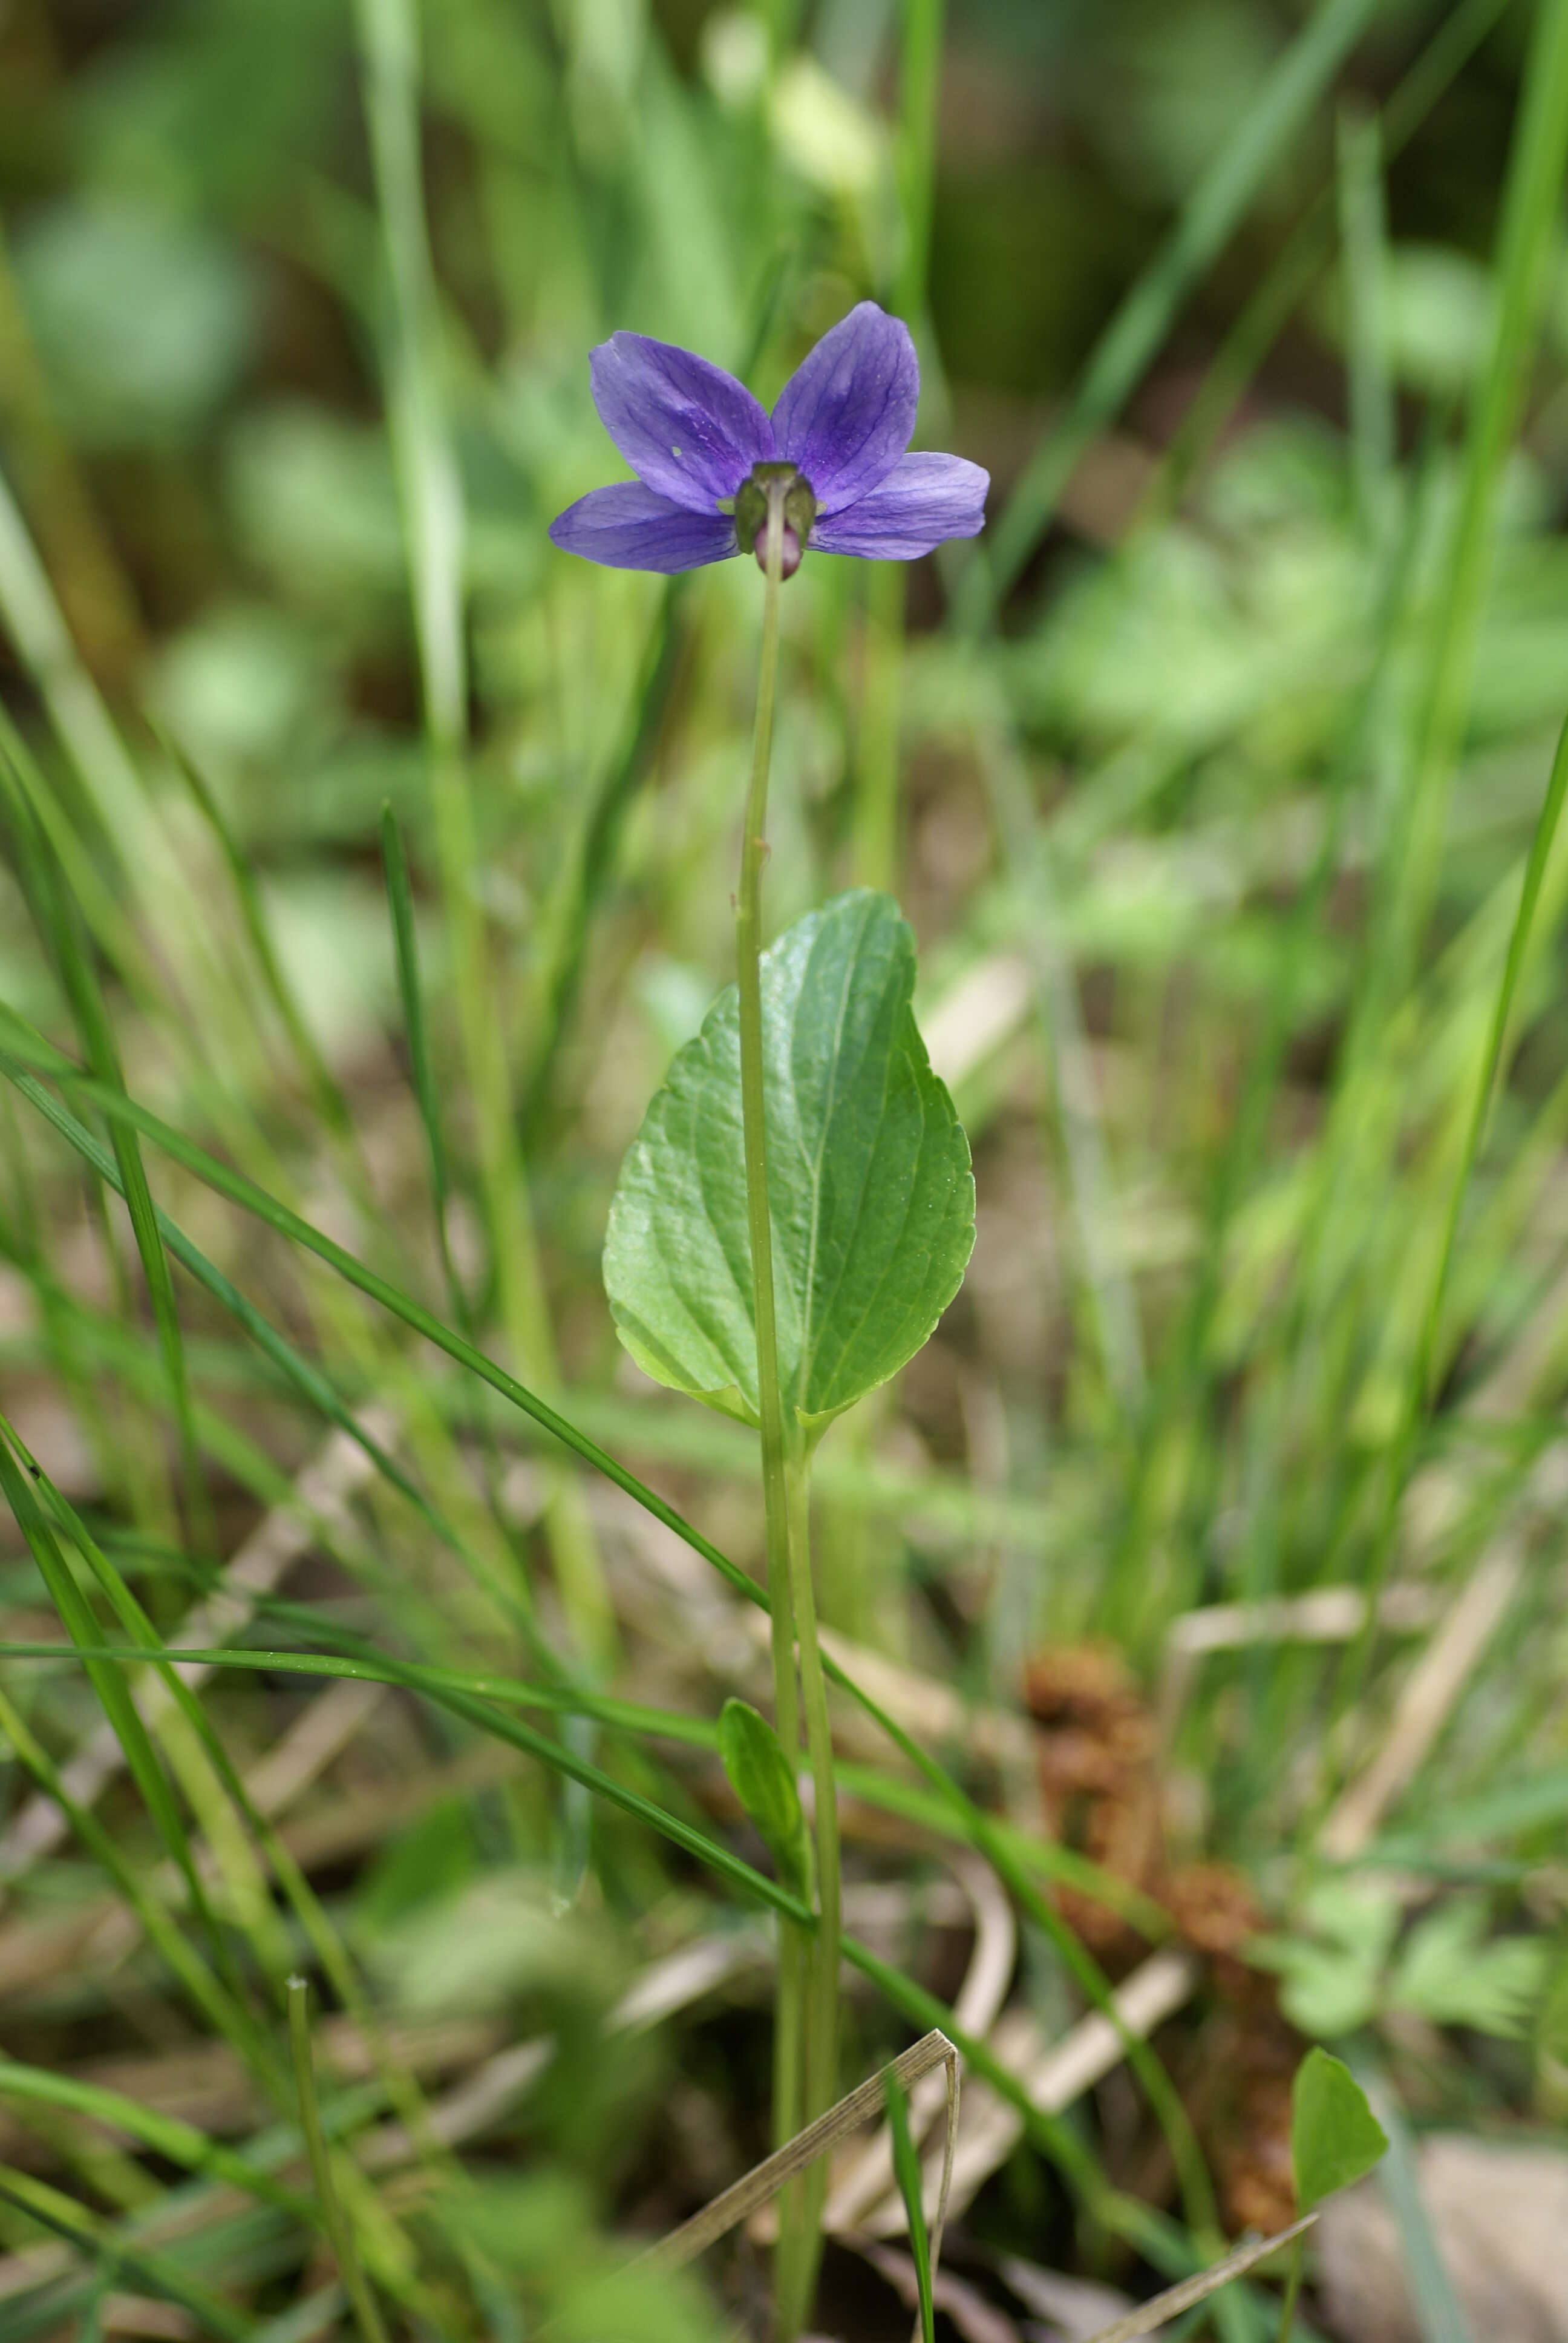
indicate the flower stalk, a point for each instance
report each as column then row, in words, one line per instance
column 806, row 2022
column 822, row 2004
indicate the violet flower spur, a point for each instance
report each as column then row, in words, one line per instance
column 708, row 458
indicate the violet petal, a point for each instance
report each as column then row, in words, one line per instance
column 923, row 500
column 629, row 527
column 845, row 416
column 687, row 429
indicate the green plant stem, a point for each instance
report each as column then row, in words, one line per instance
column 822, row 2006
column 794, row 1963
column 367, row 2316
column 789, row 2088
column 808, row 1979
column 759, row 1227
column 1293, row 2294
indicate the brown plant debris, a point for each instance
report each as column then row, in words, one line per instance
column 1096, row 1744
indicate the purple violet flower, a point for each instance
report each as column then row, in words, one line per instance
column 706, row 457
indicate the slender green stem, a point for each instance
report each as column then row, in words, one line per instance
column 795, row 2253
column 813, row 2026
column 367, row 2316
column 788, row 2076
column 749, row 978
column 823, row 2006
column 1293, row 2294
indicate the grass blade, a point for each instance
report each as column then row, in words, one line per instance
column 1208, row 218
column 405, row 945
column 167, row 2135
column 1524, row 244
column 305, row 1379
column 367, row 2317
column 325, row 1087
column 56, row 913
column 155, row 2273
column 107, row 1681
column 1419, row 1386
column 906, row 2172
column 212, row 1998
column 30, row 1050
column 1266, row 314
column 431, row 496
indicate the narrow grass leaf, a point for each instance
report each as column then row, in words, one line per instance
column 107, row 1680
column 324, row 1084
column 206, row 1994
column 166, row 2134
column 1123, row 2216
column 907, row 2173
column 366, row 2313
column 60, row 924
column 24, row 1045
column 1528, row 225
column 305, row 1379
column 410, row 992
column 152, row 2273
column 1215, row 208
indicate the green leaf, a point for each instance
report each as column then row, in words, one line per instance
column 1551, row 2030
column 1449, row 1972
column 1332, row 1973
column 868, row 1174
column 906, row 2172
column 760, row 1776
column 1334, row 2135
column 1324, row 1994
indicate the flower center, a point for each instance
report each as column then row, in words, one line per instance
column 768, row 483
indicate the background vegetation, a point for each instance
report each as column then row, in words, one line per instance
column 1215, row 1540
